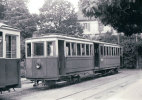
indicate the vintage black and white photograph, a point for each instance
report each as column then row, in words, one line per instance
column 70, row 49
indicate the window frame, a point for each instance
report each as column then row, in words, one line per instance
column 33, row 49
column 2, row 43
column 54, row 48
column 16, row 45
column 27, row 50
column 78, row 45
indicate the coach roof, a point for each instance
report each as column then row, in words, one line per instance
column 8, row 27
column 65, row 37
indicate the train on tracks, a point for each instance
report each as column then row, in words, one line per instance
column 9, row 57
column 53, row 58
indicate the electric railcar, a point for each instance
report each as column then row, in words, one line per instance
column 9, row 57
column 52, row 58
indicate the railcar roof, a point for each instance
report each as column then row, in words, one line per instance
column 4, row 26
column 71, row 38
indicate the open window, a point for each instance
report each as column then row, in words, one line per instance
column 68, row 52
column 83, row 49
column 10, row 46
column 74, row 49
column 50, row 48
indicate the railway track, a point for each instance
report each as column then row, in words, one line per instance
column 80, row 94
column 86, row 90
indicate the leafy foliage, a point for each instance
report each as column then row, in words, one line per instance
column 129, row 51
column 2, row 9
column 108, row 37
column 17, row 15
column 122, row 15
column 58, row 16
column 131, row 48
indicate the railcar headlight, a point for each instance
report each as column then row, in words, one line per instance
column 38, row 66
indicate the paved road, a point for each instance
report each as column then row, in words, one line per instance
column 103, row 88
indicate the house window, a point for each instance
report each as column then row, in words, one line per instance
column 38, row 49
column 86, row 26
column 10, row 46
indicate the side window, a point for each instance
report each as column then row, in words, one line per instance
column 87, row 49
column 78, row 49
column 109, row 51
column 118, row 52
column 10, row 46
column 68, row 53
column 91, row 49
column 1, row 45
column 112, row 51
column 101, row 50
column 73, row 49
column 104, row 51
column 28, row 49
column 38, row 49
column 50, row 48
column 83, row 49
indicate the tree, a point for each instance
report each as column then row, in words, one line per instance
column 58, row 16
column 123, row 15
column 2, row 8
column 17, row 15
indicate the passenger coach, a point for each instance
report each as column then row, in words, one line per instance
column 9, row 57
column 53, row 58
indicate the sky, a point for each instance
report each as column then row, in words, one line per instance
column 35, row 5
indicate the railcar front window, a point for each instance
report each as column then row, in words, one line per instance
column 10, row 46
column 68, row 53
column 38, row 49
column 28, row 49
column 49, row 48
column 1, row 45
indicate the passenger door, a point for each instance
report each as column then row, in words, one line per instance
column 96, row 55
column 61, row 60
